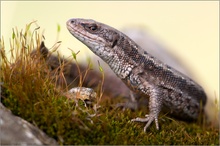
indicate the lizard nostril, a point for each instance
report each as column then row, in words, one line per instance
column 72, row 21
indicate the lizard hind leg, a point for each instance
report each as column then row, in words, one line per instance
column 132, row 103
column 155, row 105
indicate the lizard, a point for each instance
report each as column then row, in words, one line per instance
column 165, row 87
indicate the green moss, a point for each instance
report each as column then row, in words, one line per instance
column 29, row 91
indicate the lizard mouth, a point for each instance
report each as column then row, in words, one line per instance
column 74, row 28
column 78, row 31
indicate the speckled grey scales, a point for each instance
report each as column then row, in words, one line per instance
column 142, row 73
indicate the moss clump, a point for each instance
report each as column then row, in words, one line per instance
column 30, row 91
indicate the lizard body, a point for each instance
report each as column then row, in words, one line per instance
column 141, row 72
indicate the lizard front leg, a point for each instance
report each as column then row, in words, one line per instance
column 155, row 104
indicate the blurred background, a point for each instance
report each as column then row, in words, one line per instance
column 190, row 30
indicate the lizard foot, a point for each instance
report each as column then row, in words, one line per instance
column 149, row 119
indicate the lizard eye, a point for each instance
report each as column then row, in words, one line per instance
column 92, row 27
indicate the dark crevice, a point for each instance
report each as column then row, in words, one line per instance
column 114, row 43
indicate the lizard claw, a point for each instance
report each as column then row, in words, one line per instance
column 149, row 119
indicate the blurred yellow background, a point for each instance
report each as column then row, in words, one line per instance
column 189, row 29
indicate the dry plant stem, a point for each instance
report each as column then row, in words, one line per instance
column 102, row 82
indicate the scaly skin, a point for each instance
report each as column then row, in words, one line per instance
column 142, row 73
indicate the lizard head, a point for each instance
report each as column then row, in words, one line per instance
column 99, row 37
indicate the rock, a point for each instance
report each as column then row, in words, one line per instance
column 17, row 131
